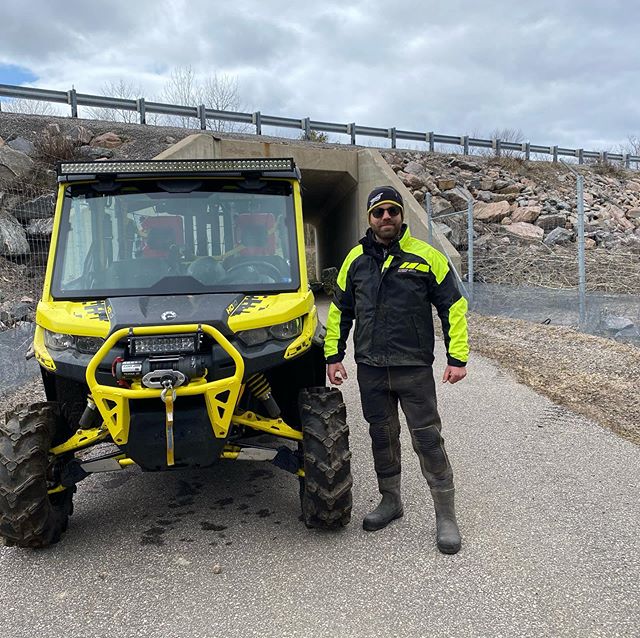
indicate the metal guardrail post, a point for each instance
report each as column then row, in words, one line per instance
column 429, row 209
column 431, row 141
column 392, row 137
column 202, row 115
column 306, row 127
column 627, row 161
column 527, row 150
column 351, row 129
column 470, row 248
column 465, row 144
column 605, row 157
column 497, row 147
column 72, row 99
column 580, row 153
column 256, row 120
column 554, row 153
column 140, row 107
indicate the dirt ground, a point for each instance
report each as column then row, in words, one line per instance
column 594, row 376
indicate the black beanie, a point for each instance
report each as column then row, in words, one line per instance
column 384, row 195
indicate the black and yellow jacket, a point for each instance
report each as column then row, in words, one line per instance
column 389, row 291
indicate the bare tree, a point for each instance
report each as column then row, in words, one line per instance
column 29, row 107
column 119, row 89
column 217, row 92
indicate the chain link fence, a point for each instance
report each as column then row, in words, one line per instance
column 545, row 277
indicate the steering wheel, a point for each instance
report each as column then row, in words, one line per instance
column 273, row 271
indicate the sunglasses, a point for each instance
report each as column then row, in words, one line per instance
column 379, row 212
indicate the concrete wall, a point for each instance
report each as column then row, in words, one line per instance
column 335, row 185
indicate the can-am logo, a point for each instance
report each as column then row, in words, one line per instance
column 168, row 315
column 375, row 199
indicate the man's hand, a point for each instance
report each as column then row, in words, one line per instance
column 336, row 373
column 453, row 374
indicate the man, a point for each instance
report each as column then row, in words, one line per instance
column 388, row 283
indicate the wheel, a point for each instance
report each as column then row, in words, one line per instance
column 29, row 516
column 267, row 268
column 326, row 488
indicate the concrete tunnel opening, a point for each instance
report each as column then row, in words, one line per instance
column 335, row 183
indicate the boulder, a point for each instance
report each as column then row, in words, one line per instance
column 419, row 196
column 80, row 135
column 13, row 240
column 40, row 227
column 618, row 218
column 613, row 323
column 446, row 183
column 558, row 236
column 458, row 197
column 414, row 168
column 440, row 206
column 484, row 196
column 526, row 232
column 107, row 140
column 13, row 163
column 527, row 214
column 589, row 244
column 94, row 153
column 549, row 222
column 444, row 229
column 39, row 208
column 494, row 212
column 412, row 181
column 22, row 145
column 511, row 189
column 464, row 164
column 633, row 213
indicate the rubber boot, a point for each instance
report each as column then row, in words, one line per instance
column 448, row 535
column 390, row 506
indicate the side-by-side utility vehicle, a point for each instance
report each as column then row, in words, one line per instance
column 176, row 325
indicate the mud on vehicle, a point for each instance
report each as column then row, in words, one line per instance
column 176, row 324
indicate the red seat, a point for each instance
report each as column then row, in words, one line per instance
column 255, row 233
column 160, row 234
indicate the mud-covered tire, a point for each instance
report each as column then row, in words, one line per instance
column 29, row 516
column 326, row 487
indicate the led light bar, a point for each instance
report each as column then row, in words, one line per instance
column 169, row 344
column 177, row 166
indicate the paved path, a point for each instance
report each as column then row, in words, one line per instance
column 548, row 507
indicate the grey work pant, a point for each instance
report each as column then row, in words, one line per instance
column 414, row 387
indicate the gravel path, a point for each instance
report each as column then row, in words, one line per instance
column 547, row 505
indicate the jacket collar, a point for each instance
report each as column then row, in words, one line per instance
column 370, row 244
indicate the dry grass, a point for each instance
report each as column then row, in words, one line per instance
column 593, row 376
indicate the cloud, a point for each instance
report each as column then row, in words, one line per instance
column 561, row 72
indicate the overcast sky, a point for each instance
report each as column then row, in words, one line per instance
column 563, row 72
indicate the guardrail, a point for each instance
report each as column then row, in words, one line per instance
column 306, row 124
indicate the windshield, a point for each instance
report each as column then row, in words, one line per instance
column 176, row 237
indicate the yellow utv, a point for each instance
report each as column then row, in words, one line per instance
column 176, row 324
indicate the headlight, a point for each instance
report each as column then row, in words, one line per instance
column 60, row 341
column 164, row 344
column 282, row 331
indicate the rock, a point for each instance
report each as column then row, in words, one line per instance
column 506, row 221
column 617, row 216
column 526, row 232
column 464, row 164
column 499, row 184
column 13, row 164
column 93, row 153
column 527, row 214
column 502, row 198
column 484, row 196
column 419, row 196
column 107, row 140
column 633, row 213
column 549, row 222
column 414, row 168
column 1, row 142
column 558, row 236
column 441, row 206
column 52, row 129
column 589, row 244
column 494, row 212
column 613, row 323
column 216, row 569
column 459, row 237
column 38, row 208
column 459, row 197
column 633, row 185
column 411, row 181
column 80, row 135
column 172, row 140
column 22, row 145
column 446, row 183
column 511, row 189
column 40, row 227
column 13, row 240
